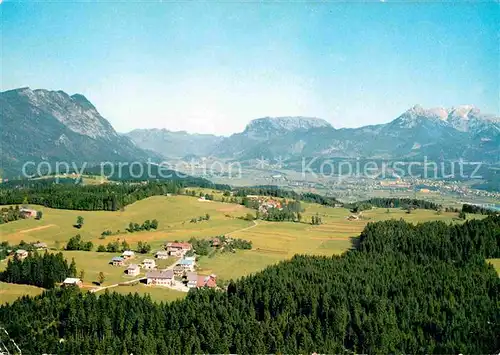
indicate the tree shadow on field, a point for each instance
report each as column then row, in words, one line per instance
column 355, row 242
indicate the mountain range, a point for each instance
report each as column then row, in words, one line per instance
column 42, row 125
column 438, row 133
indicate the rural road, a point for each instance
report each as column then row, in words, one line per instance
column 97, row 289
column 255, row 224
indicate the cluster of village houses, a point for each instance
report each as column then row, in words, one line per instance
column 154, row 276
column 265, row 203
column 166, row 277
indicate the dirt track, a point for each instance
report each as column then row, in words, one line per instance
column 36, row 228
column 332, row 238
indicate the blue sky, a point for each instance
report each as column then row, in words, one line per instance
column 212, row 67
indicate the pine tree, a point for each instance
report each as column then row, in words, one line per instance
column 101, row 278
column 72, row 268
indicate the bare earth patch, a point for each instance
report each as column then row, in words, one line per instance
column 36, row 228
column 331, row 238
column 232, row 208
column 269, row 251
column 337, row 227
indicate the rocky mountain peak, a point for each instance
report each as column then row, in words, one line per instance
column 418, row 115
column 418, row 111
column 464, row 110
column 53, row 126
column 75, row 112
column 286, row 123
column 83, row 101
column 464, row 118
column 468, row 118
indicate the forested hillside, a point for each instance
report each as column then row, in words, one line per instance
column 404, row 289
column 393, row 202
column 108, row 197
column 275, row 191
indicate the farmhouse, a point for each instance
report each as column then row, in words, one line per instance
column 187, row 264
column 21, row 254
column 207, row 281
column 71, row 281
column 178, row 249
column 27, row 213
column 128, row 254
column 117, row 261
column 192, row 279
column 40, row 246
column 162, row 254
column 160, row 278
column 133, row 270
column 149, row 264
column 215, row 242
column 178, row 270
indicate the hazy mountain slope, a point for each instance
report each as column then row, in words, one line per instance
column 437, row 133
column 53, row 126
column 417, row 132
column 174, row 144
column 273, row 137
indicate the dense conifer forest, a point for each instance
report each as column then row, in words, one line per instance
column 402, row 289
column 393, row 202
column 108, row 197
column 275, row 191
column 466, row 208
column 42, row 270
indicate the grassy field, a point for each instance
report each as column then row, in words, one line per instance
column 496, row 264
column 11, row 292
column 173, row 214
column 159, row 294
column 272, row 241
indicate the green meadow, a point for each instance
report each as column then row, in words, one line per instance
column 496, row 264
column 172, row 212
column 159, row 294
column 11, row 292
column 272, row 241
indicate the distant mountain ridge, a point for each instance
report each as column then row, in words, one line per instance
column 460, row 132
column 174, row 144
column 438, row 133
column 42, row 125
